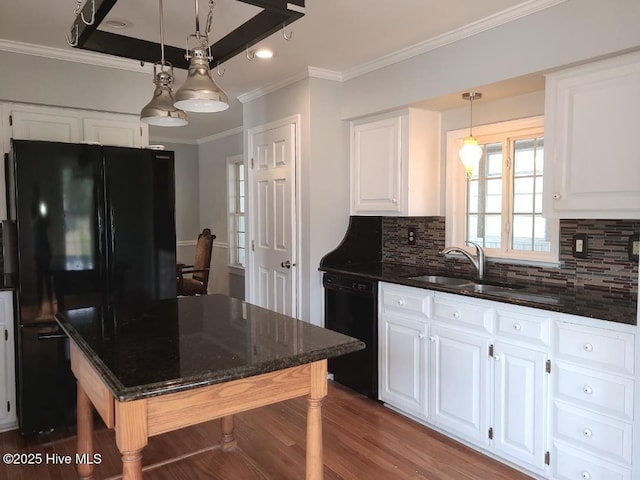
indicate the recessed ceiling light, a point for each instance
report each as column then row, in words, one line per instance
column 118, row 23
column 264, row 53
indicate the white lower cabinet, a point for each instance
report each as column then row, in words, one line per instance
column 403, row 354
column 550, row 393
column 8, row 417
column 519, row 398
column 458, row 382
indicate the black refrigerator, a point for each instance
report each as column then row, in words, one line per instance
column 92, row 225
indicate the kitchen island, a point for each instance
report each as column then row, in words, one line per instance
column 153, row 368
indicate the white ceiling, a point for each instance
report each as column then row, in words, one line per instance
column 338, row 35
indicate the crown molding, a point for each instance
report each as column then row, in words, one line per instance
column 183, row 141
column 310, row 72
column 77, row 56
column 456, row 35
column 218, row 136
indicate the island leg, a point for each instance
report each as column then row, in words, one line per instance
column 131, row 436
column 314, row 420
column 85, row 434
column 228, row 441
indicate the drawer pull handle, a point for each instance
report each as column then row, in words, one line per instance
column 587, row 433
column 586, row 475
column 456, row 314
column 587, row 390
column 588, row 347
column 517, row 327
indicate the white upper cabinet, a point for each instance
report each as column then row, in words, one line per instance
column 119, row 130
column 44, row 125
column 395, row 164
column 592, row 120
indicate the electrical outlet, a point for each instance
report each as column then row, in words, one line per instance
column 579, row 247
column 411, row 235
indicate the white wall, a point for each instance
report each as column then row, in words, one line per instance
column 47, row 81
column 570, row 32
column 187, row 198
column 212, row 172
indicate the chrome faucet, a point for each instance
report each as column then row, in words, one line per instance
column 478, row 261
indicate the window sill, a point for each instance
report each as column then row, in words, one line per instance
column 236, row 270
column 526, row 262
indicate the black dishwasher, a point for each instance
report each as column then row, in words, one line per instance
column 351, row 307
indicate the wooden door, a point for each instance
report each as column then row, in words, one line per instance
column 272, row 217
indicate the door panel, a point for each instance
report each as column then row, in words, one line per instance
column 273, row 153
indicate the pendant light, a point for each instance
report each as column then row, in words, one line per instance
column 471, row 152
column 160, row 110
column 199, row 92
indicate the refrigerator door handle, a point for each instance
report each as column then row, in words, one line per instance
column 51, row 335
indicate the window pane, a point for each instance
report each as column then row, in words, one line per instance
column 522, row 232
column 541, row 236
column 523, row 203
column 241, row 223
column 523, row 185
column 493, row 231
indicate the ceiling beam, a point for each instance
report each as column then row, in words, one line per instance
column 276, row 14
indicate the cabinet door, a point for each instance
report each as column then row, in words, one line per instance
column 402, row 359
column 591, row 124
column 376, row 155
column 7, row 363
column 125, row 132
column 458, row 383
column 519, row 398
column 62, row 127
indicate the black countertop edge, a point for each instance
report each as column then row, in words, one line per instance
column 125, row 394
column 592, row 303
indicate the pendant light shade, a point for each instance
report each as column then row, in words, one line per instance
column 471, row 152
column 199, row 92
column 160, row 110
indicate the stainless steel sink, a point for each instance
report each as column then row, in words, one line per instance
column 443, row 280
column 504, row 291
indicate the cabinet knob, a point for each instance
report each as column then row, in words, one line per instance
column 587, row 433
column 394, row 200
column 517, row 327
column 586, row 475
column 587, row 390
column 432, row 338
column 401, row 301
column 496, row 358
column 557, row 196
column 421, row 336
column 588, row 347
column 456, row 314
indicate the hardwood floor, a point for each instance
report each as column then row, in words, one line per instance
column 362, row 440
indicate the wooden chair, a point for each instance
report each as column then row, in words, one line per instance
column 197, row 283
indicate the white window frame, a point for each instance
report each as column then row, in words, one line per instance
column 456, row 191
column 232, row 162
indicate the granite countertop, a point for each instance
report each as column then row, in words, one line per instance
column 167, row 346
column 614, row 307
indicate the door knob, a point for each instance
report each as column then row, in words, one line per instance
column 287, row 264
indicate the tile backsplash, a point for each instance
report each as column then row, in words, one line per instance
column 606, row 267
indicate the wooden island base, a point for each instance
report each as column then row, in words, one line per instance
column 136, row 420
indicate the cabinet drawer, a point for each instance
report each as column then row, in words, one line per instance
column 526, row 328
column 597, row 347
column 597, row 433
column 609, row 394
column 571, row 464
column 407, row 300
column 450, row 309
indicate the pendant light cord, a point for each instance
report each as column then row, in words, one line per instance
column 470, row 114
column 162, row 62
